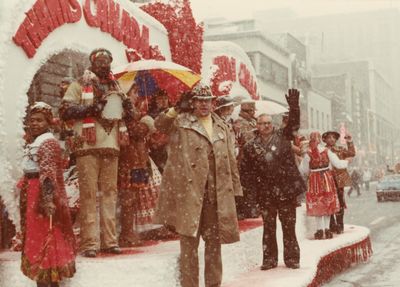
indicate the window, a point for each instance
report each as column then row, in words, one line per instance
column 312, row 118
column 317, row 116
column 328, row 123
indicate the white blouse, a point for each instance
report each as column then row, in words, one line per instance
column 334, row 161
column 29, row 160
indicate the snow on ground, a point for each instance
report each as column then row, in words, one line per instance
column 156, row 265
column 311, row 252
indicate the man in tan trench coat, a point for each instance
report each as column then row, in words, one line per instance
column 200, row 182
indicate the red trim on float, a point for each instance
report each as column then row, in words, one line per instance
column 340, row 260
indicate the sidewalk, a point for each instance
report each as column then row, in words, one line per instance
column 156, row 265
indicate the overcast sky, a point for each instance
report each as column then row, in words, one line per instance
column 239, row 9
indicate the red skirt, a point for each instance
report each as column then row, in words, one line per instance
column 46, row 256
column 321, row 197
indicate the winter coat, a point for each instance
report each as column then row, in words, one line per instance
column 185, row 176
column 270, row 168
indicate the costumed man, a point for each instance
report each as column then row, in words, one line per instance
column 342, row 177
column 247, row 123
column 96, row 144
column 268, row 166
column 199, row 184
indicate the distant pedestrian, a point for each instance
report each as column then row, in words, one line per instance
column 366, row 177
column 356, row 181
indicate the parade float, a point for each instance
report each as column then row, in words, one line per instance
column 59, row 35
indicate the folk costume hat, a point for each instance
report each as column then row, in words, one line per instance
column 326, row 134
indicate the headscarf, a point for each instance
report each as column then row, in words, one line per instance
column 45, row 109
column 315, row 140
column 99, row 52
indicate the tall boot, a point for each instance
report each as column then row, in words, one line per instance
column 39, row 284
column 333, row 226
column 339, row 220
column 127, row 237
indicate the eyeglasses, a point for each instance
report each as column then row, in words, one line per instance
column 264, row 123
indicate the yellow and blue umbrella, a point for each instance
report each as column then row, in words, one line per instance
column 151, row 75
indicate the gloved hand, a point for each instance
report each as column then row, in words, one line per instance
column 97, row 107
column 292, row 97
column 130, row 112
column 184, row 105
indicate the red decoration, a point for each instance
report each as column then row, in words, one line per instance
column 47, row 15
column 247, row 81
column 226, row 72
column 340, row 260
column 91, row 19
column 185, row 36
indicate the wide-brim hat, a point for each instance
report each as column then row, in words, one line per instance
column 326, row 134
column 225, row 101
column 202, row 92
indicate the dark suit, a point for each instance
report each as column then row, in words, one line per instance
column 269, row 167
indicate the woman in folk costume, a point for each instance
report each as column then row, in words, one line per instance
column 48, row 253
column 138, row 177
column 321, row 197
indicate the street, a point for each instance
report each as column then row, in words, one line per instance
column 383, row 219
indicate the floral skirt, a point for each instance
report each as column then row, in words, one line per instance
column 145, row 201
column 143, row 187
column 321, row 197
column 46, row 255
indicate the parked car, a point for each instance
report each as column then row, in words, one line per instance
column 388, row 188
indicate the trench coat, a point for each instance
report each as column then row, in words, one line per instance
column 186, row 172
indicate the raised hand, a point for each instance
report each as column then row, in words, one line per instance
column 292, row 97
column 348, row 138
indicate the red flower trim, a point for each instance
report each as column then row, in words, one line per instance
column 185, row 36
column 340, row 260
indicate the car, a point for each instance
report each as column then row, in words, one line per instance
column 388, row 188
